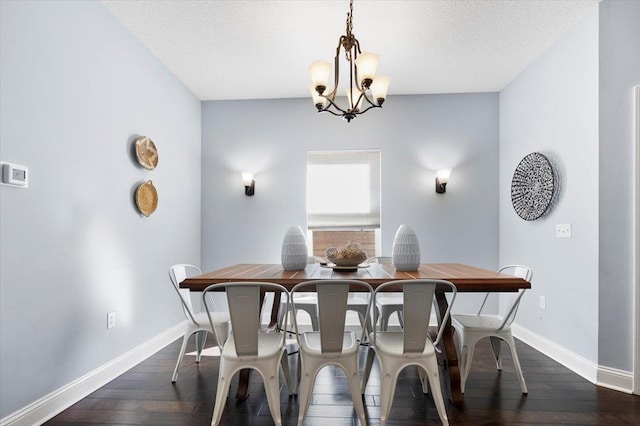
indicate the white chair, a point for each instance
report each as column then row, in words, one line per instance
column 251, row 345
column 309, row 302
column 387, row 303
column 356, row 303
column 332, row 344
column 197, row 323
column 411, row 346
column 472, row 328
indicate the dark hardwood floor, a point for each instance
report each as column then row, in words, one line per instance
column 145, row 396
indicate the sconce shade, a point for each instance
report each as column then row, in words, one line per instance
column 442, row 178
column 249, row 183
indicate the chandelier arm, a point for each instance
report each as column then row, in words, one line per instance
column 364, row 94
column 357, row 51
column 335, row 105
column 367, row 109
column 331, row 112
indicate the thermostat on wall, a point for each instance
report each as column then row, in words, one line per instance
column 15, row 175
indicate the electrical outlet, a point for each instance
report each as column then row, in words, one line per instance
column 111, row 320
column 563, row 230
column 543, row 303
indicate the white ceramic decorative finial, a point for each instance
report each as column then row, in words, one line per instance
column 294, row 250
column 405, row 253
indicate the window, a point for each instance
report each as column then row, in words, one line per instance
column 343, row 199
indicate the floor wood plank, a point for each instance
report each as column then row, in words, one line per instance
column 145, row 396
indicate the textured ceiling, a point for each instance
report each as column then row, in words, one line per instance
column 262, row 48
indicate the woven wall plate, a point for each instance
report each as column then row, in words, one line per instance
column 146, row 153
column 146, row 198
column 532, row 186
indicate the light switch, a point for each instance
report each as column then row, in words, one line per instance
column 15, row 175
column 563, row 230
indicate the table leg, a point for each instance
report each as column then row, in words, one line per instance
column 452, row 375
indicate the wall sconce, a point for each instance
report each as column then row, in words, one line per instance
column 249, row 183
column 442, row 177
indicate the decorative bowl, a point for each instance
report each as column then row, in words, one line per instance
column 349, row 255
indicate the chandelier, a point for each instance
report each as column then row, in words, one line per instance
column 365, row 91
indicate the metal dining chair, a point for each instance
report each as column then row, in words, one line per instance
column 252, row 344
column 473, row 328
column 396, row 350
column 332, row 344
column 197, row 322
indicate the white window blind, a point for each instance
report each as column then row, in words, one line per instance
column 343, row 189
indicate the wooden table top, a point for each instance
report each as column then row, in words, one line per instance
column 466, row 278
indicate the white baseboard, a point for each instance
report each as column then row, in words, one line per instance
column 599, row 375
column 615, row 379
column 57, row 401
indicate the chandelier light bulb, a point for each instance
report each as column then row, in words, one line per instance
column 379, row 88
column 366, row 64
column 320, row 71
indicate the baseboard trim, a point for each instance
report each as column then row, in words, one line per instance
column 615, row 379
column 599, row 375
column 59, row 400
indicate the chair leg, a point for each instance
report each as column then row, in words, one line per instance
column 284, row 362
column 353, row 378
column 387, row 391
column 298, row 374
column 272, row 389
column 201, row 339
column 422, row 374
column 367, row 368
column 400, row 313
column 305, row 390
column 183, row 349
column 466, row 358
column 224, row 381
column 516, row 364
column 495, row 346
column 431, row 367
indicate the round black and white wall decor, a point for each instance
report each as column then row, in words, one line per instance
column 532, row 186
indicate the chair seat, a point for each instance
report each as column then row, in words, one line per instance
column 481, row 323
column 221, row 322
column 310, row 341
column 387, row 304
column 269, row 344
column 391, row 343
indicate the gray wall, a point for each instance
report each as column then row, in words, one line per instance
column 417, row 135
column 76, row 88
column 619, row 73
column 552, row 107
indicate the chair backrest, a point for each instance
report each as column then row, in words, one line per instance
column 177, row 274
column 418, row 297
column 332, row 308
column 380, row 259
column 520, row 271
column 245, row 300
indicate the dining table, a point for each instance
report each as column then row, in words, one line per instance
column 466, row 278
